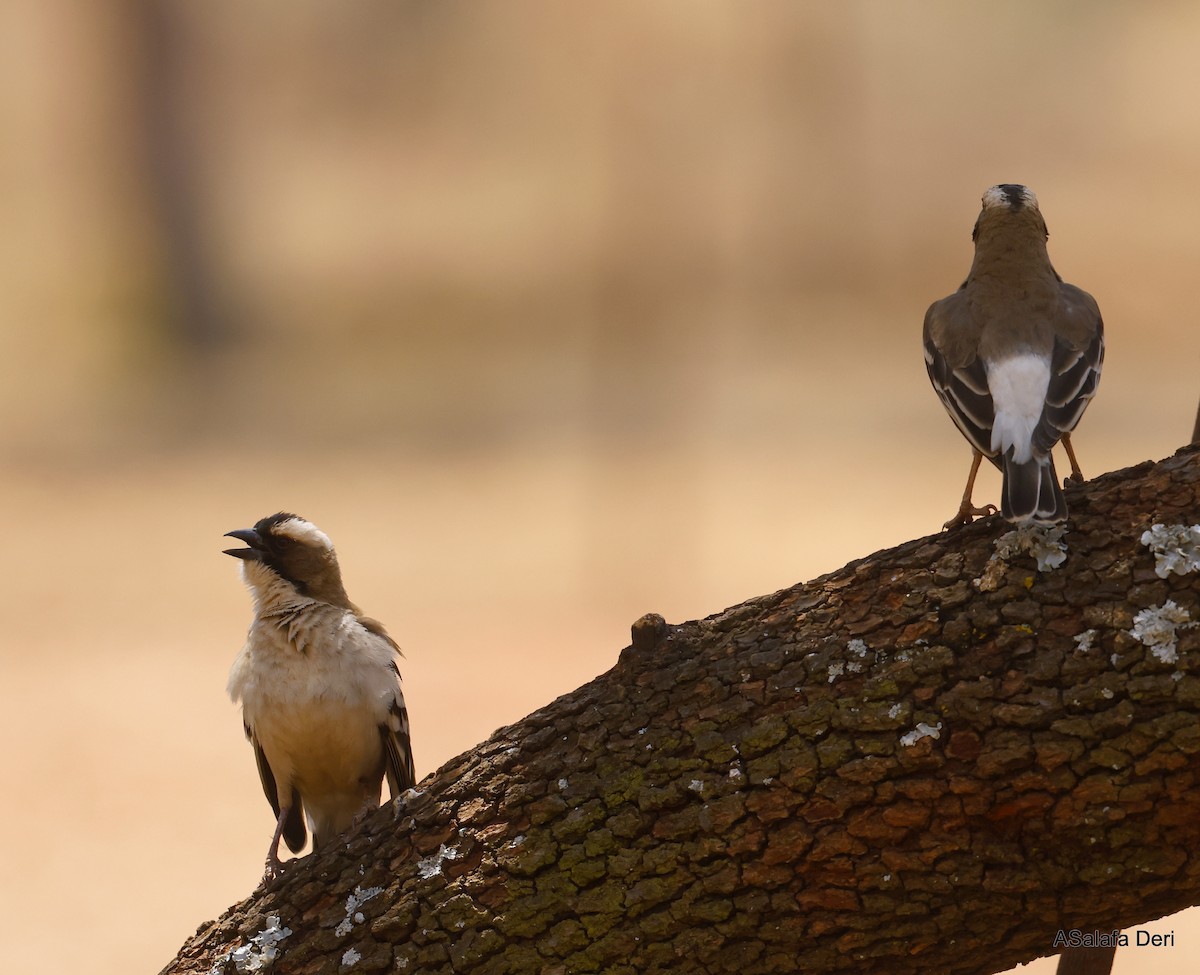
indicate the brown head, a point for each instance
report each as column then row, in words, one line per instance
column 296, row 551
column 1009, row 210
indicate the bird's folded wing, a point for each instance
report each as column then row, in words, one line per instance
column 1075, row 368
column 397, row 746
column 963, row 389
column 294, row 831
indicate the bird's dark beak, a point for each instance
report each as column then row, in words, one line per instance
column 251, row 538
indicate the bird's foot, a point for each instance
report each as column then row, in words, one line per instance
column 274, row 867
column 361, row 817
column 1073, row 480
column 968, row 513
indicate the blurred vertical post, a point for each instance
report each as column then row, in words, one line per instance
column 162, row 55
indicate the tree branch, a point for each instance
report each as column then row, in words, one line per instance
column 1086, row 961
column 933, row 759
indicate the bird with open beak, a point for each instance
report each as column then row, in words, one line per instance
column 319, row 688
column 1015, row 355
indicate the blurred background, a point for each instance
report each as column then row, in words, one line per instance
column 549, row 314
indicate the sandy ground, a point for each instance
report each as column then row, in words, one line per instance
column 509, row 577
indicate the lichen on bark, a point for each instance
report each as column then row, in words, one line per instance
column 923, row 761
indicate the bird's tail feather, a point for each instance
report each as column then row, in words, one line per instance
column 1031, row 492
column 294, row 830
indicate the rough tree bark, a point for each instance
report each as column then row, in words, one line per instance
column 932, row 759
column 1086, row 961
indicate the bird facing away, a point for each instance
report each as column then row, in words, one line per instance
column 1015, row 356
column 319, row 687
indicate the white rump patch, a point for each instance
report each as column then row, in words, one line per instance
column 304, row 532
column 1018, row 386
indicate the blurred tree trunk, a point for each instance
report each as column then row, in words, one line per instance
column 162, row 64
column 934, row 759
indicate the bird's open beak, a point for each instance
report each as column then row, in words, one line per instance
column 251, row 538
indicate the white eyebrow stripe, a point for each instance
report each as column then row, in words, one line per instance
column 304, row 532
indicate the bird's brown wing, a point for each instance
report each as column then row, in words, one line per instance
column 397, row 745
column 960, row 382
column 294, row 830
column 1075, row 366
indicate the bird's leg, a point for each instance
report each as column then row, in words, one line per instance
column 1076, row 474
column 274, row 864
column 966, row 511
column 370, row 805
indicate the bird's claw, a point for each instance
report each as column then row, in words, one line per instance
column 968, row 513
column 274, row 867
column 360, row 817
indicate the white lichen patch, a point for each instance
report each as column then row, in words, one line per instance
column 353, row 915
column 431, row 865
column 258, row 955
column 859, row 650
column 895, row 710
column 1045, row 544
column 836, row 670
column 1085, row 641
column 696, row 785
column 351, row 958
column 360, row 896
column 1176, row 548
column 405, row 797
column 1157, row 627
column 922, row 730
